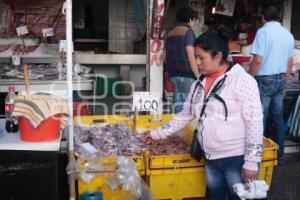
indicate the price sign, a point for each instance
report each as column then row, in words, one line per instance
column 48, row 32
column 63, row 46
column 22, row 30
column 147, row 101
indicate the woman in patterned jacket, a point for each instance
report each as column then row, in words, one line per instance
column 225, row 100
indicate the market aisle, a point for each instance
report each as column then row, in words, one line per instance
column 286, row 179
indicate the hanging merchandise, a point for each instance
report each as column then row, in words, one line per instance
column 36, row 15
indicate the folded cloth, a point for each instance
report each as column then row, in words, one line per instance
column 37, row 108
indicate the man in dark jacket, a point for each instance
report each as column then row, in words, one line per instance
column 180, row 60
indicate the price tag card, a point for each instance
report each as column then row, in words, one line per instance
column 48, row 32
column 63, row 45
column 22, row 30
column 147, row 101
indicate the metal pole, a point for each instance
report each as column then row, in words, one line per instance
column 67, row 10
column 149, row 15
column 156, row 45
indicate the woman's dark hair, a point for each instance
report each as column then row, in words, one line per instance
column 215, row 41
column 186, row 14
column 271, row 13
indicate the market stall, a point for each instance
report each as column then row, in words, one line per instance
column 95, row 145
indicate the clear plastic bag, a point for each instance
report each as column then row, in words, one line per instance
column 128, row 178
column 255, row 189
column 86, row 177
column 91, row 167
column 73, row 166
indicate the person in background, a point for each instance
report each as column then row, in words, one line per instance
column 272, row 62
column 245, row 34
column 179, row 55
column 210, row 25
column 225, row 100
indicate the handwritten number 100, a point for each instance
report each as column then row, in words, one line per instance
column 148, row 105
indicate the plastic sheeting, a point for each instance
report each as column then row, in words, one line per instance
column 295, row 126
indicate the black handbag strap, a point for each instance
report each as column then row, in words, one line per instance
column 218, row 85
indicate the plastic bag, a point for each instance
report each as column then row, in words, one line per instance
column 73, row 166
column 128, row 178
column 256, row 189
column 92, row 166
column 86, row 177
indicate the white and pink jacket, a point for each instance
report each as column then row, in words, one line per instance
column 240, row 133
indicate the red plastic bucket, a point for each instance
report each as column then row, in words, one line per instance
column 48, row 130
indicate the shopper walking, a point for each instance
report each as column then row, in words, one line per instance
column 180, row 59
column 225, row 100
column 272, row 62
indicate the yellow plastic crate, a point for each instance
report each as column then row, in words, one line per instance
column 109, row 163
column 148, row 122
column 177, row 183
column 269, row 150
column 269, row 160
column 266, row 171
column 100, row 120
column 101, row 177
column 175, row 176
column 173, row 161
column 170, row 176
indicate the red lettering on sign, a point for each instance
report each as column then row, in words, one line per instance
column 158, row 22
column 155, row 46
column 160, row 8
column 156, row 60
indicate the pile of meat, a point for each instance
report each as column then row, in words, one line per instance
column 36, row 71
column 169, row 146
column 118, row 139
column 4, row 47
column 110, row 140
column 23, row 50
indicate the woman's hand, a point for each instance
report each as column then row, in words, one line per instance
column 146, row 137
column 249, row 174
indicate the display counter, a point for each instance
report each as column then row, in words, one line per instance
column 12, row 141
column 121, row 59
column 32, row 170
column 51, row 86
